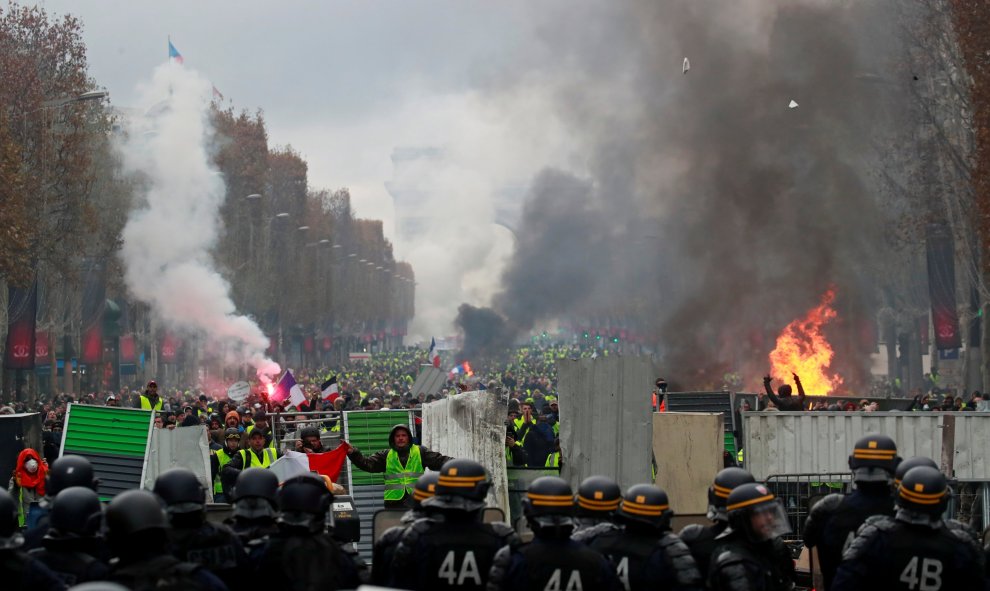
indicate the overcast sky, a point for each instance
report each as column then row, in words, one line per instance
column 343, row 82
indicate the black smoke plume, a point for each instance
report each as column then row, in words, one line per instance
column 711, row 211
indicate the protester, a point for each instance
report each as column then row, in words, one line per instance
column 27, row 486
column 403, row 462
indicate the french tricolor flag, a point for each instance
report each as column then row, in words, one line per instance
column 173, row 54
column 434, row 355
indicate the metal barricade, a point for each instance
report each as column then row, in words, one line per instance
column 799, row 492
column 287, row 426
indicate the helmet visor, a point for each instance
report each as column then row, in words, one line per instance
column 769, row 521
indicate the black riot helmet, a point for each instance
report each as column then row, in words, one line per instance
column 909, row 463
column 425, row 487
column 922, row 496
column 646, row 504
column 304, row 501
column 181, row 491
column 255, row 494
column 76, row 513
column 598, row 496
column 231, row 433
column 69, row 471
column 256, row 483
column 718, row 493
column 874, row 459
column 9, row 536
column 462, row 485
column 549, row 507
column 754, row 511
column 133, row 512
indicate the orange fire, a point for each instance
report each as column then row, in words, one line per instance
column 270, row 387
column 803, row 349
column 467, row 369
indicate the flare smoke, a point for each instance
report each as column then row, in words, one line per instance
column 168, row 239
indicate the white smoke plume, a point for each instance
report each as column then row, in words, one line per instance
column 168, row 239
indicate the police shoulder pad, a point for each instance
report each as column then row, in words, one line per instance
column 692, row 532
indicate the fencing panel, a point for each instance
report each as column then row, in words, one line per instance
column 472, row 425
column 820, row 442
column 606, row 424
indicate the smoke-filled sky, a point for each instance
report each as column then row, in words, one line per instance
column 696, row 205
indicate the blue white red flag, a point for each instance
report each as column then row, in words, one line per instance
column 173, row 53
column 434, row 355
column 287, row 388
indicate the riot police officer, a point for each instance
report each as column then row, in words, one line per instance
column 425, row 488
column 73, row 547
column 18, row 571
column 700, row 539
column 66, row 471
column 211, row 545
column 302, row 555
column 833, row 521
column 914, row 549
column 598, row 499
column 552, row 560
column 137, row 534
column 645, row 553
column 255, row 506
column 748, row 555
column 455, row 550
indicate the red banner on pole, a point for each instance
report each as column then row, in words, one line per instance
column 170, row 348
column 92, row 344
column 308, row 344
column 327, row 343
column 22, row 309
column 128, row 353
column 41, row 350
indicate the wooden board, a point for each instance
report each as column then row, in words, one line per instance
column 688, row 450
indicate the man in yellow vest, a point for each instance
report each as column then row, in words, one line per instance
column 257, row 455
column 403, row 462
column 150, row 400
column 222, row 457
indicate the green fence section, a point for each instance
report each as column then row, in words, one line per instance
column 730, row 444
column 107, row 430
column 368, row 431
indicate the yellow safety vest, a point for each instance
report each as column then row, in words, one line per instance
column 146, row 404
column 553, row 460
column 399, row 479
column 223, row 459
column 271, row 444
column 518, row 423
column 267, row 458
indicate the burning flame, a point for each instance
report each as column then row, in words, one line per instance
column 271, row 388
column 467, row 369
column 803, row 350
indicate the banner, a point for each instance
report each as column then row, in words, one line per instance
column 942, row 290
column 309, row 344
column 42, row 353
column 93, row 302
column 170, row 348
column 92, row 345
column 128, row 352
column 22, row 310
column 327, row 343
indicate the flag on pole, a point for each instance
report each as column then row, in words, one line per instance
column 173, row 53
column 217, row 95
column 288, row 388
column 330, row 389
column 434, row 355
